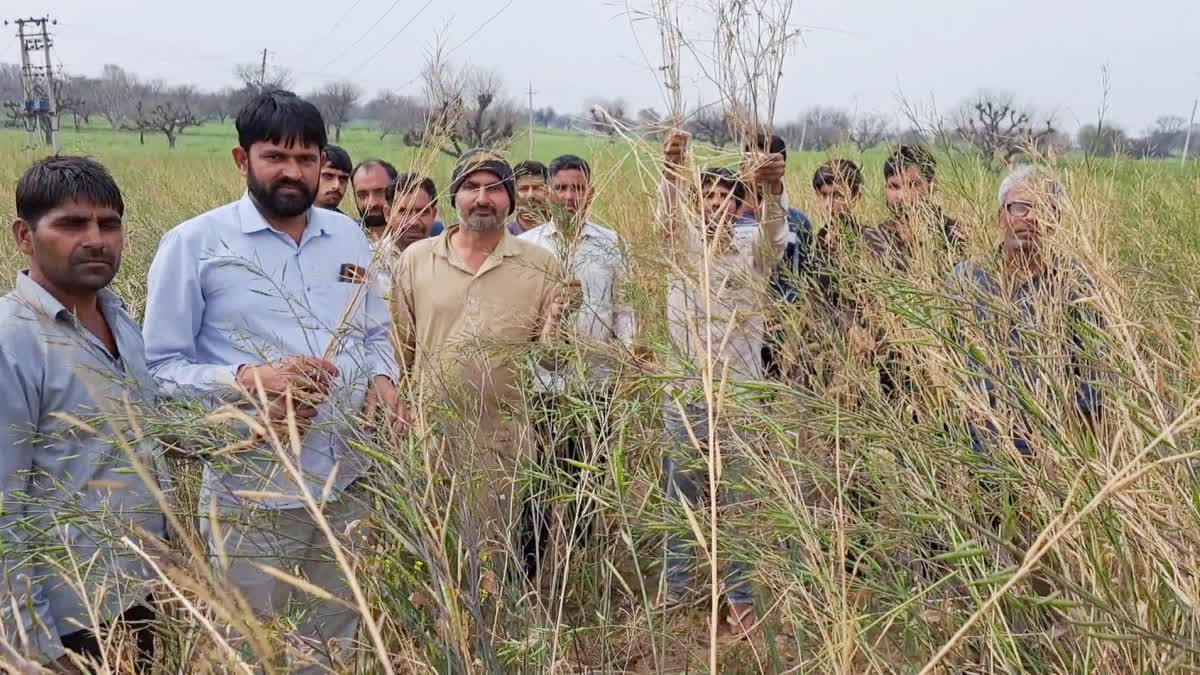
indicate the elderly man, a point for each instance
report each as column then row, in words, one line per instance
column 70, row 492
column 269, row 295
column 468, row 306
column 1030, row 325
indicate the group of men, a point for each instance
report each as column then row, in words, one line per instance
column 315, row 323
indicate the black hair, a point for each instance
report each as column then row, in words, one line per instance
column 764, row 143
column 279, row 116
column 569, row 163
column 407, row 182
column 338, row 158
column 725, row 178
column 914, row 156
column 54, row 181
column 368, row 163
column 839, row 172
column 532, row 167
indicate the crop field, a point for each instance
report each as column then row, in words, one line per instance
column 880, row 541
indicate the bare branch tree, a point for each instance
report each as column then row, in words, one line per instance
column 464, row 110
column 994, row 125
column 606, row 115
column 113, row 94
column 869, row 130
column 170, row 111
column 710, row 124
column 337, row 101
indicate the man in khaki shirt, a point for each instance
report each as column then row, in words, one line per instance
column 468, row 305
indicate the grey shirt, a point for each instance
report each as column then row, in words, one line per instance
column 68, row 491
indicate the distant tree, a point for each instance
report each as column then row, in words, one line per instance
column 1105, row 141
column 650, row 123
column 710, row 124
column 605, row 115
column 998, row 129
column 869, row 130
column 253, row 77
column 337, row 101
column 114, row 94
column 464, row 110
column 818, row 128
column 547, row 117
column 1166, row 136
column 396, row 114
column 168, row 110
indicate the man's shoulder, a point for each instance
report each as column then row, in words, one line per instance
column 532, row 249
column 216, row 221
column 798, row 221
column 538, row 235
column 21, row 324
column 605, row 233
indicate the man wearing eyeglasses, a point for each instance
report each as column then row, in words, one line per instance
column 1030, row 328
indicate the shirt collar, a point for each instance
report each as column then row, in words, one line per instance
column 507, row 246
column 253, row 221
column 588, row 230
column 32, row 294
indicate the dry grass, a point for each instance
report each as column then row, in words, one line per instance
column 880, row 541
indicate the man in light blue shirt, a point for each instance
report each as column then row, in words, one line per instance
column 269, row 294
column 69, row 493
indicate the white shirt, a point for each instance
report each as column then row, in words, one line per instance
column 728, row 323
column 597, row 260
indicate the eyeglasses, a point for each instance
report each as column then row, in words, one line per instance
column 1019, row 209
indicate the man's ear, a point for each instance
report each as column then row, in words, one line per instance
column 23, row 234
column 242, row 159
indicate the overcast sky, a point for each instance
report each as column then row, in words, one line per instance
column 862, row 55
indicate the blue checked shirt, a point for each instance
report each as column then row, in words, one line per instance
column 226, row 289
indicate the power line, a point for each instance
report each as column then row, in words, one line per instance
column 396, row 35
column 360, row 38
column 39, row 107
column 336, row 24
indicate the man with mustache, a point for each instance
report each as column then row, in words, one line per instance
column 1028, row 321
column 68, row 347
column 270, row 298
column 370, row 181
column 533, row 196
column 335, row 177
column 468, row 305
column 591, row 260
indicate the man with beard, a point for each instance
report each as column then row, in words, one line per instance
column 370, row 181
column 335, row 177
column 69, row 350
column 1028, row 324
column 468, row 305
column 533, row 196
column 269, row 298
column 413, row 210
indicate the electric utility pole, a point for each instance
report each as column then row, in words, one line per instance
column 531, row 93
column 262, row 73
column 1187, row 140
column 40, row 109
